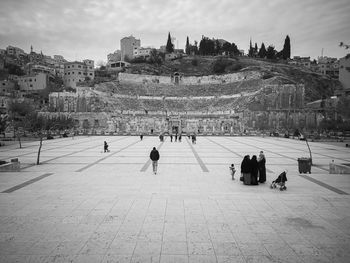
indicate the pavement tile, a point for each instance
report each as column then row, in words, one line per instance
column 145, row 258
column 113, row 258
column 111, row 211
column 174, row 259
column 174, row 248
column 200, row 248
column 202, row 259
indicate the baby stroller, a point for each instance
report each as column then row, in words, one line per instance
column 280, row 181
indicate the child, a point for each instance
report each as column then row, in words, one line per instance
column 233, row 171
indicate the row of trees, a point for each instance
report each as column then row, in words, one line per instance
column 23, row 119
column 213, row 47
column 270, row 52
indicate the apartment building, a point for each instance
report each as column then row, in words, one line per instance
column 75, row 72
column 6, row 87
column 127, row 46
column 142, row 52
column 114, row 57
column 301, row 61
column 328, row 66
column 32, row 83
column 344, row 72
column 14, row 51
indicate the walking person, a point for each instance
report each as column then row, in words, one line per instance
column 245, row 170
column 141, row 136
column 262, row 167
column 176, row 137
column 105, row 147
column 233, row 171
column 171, row 138
column 154, row 156
column 254, row 170
column 180, row 137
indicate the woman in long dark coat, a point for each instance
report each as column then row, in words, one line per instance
column 245, row 170
column 254, row 170
column 262, row 168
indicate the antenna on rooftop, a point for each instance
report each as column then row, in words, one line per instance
column 322, row 52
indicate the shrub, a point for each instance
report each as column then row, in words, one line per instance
column 220, row 65
column 194, row 62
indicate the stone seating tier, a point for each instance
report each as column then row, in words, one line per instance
column 138, row 89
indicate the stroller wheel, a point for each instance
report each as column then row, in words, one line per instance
column 281, row 189
column 271, row 186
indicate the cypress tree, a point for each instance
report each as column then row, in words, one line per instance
column 187, row 50
column 250, row 52
column 262, row 51
column 169, row 46
column 286, row 48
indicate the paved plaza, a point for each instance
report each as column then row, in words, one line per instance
column 83, row 205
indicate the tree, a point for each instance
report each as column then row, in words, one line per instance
column 3, row 124
column 217, row 47
column 271, row 52
column 234, row 49
column 343, row 107
column 18, row 112
column 14, row 69
column 250, row 51
column 227, row 47
column 169, row 45
column 286, row 48
column 206, row 46
column 155, row 57
column 187, row 49
column 262, row 51
column 255, row 49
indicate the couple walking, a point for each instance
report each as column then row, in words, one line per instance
column 253, row 168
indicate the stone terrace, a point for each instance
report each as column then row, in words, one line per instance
column 82, row 205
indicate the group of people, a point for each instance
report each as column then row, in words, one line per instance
column 175, row 136
column 253, row 170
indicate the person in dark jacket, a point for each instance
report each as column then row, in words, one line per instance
column 154, row 156
column 105, row 147
column 262, row 167
column 245, row 170
column 254, row 170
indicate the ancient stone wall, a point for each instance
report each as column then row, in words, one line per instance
column 188, row 80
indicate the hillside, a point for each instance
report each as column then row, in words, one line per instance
column 316, row 85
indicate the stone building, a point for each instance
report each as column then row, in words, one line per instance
column 344, row 72
column 75, row 72
column 127, row 46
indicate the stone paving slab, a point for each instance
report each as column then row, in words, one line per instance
column 83, row 205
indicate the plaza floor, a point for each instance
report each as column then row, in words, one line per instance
column 83, row 205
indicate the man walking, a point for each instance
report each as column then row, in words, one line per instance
column 154, row 155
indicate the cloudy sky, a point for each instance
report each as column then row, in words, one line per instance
column 79, row 29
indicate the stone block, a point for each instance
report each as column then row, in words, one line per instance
column 338, row 168
column 10, row 167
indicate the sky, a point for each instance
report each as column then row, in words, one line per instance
column 91, row 29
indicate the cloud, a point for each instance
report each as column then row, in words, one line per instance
column 93, row 28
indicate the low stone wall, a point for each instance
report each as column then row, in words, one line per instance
column 338, row 168
column 13, row 166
